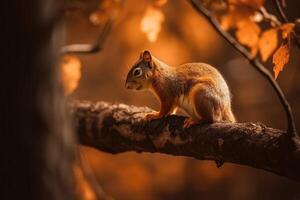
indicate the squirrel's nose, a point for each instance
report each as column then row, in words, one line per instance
column 127, row 85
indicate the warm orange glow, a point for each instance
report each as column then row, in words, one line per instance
column 83, row 187
column 151, row 23
column 97, row 18
column 106, row 9
column 160, row 2
column 70, row 73
column 176, row 34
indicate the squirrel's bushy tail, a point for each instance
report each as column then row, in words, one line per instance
column 228, row 115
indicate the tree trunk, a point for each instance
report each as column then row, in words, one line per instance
column 36, row 142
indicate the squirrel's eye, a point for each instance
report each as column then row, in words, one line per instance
column 137, row 72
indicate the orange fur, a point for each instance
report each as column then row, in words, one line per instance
column 197, row 88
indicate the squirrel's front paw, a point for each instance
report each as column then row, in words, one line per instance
column 188, row 122
column 151, row 116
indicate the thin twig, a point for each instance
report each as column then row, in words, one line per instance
column 291, row 131
column 90, row 48
column 281, row 12
column 269, row 17
column 285, row 19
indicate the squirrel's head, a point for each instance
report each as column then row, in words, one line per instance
column 140, row 75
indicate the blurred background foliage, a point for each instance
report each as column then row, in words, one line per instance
column 176, row 34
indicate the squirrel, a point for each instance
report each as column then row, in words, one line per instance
column 197, row 88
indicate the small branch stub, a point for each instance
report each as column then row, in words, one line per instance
column 89, row 48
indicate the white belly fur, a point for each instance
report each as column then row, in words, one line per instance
column 188, row 106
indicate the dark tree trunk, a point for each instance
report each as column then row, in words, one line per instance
column 36, row 143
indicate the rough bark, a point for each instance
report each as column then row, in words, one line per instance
column 117, row 128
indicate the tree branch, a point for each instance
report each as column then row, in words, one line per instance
column 90, row 48
column 284, row 18
column 291, row 131
column 117, row 128
column 272, row 19
column 281, row 12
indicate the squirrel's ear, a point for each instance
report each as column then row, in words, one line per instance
column 146, row 55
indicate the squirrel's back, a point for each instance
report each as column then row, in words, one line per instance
column 193, row 73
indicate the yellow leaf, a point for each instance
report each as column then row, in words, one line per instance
column 70, row 73
column 267, row 43
column 248, row 33
column 286, row 29
column 281, row 58
column 151, row 23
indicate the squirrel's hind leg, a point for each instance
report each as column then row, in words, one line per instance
column 207, row 104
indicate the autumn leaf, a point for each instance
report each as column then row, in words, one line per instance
column 238, row 10
column 248, row 34
column 281, row 58
column 286, row 29
column 70, row 73
column 227, row 21
column 234, row 16
column 253, row 51
column 267, row 43
column 151, row 23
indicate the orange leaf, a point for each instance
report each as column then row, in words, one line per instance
column 254, row 51
column 235, row 15
column 286, row 29
column 227, row 21
column 281, row 58
column 267, row 43
column 248, row 33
